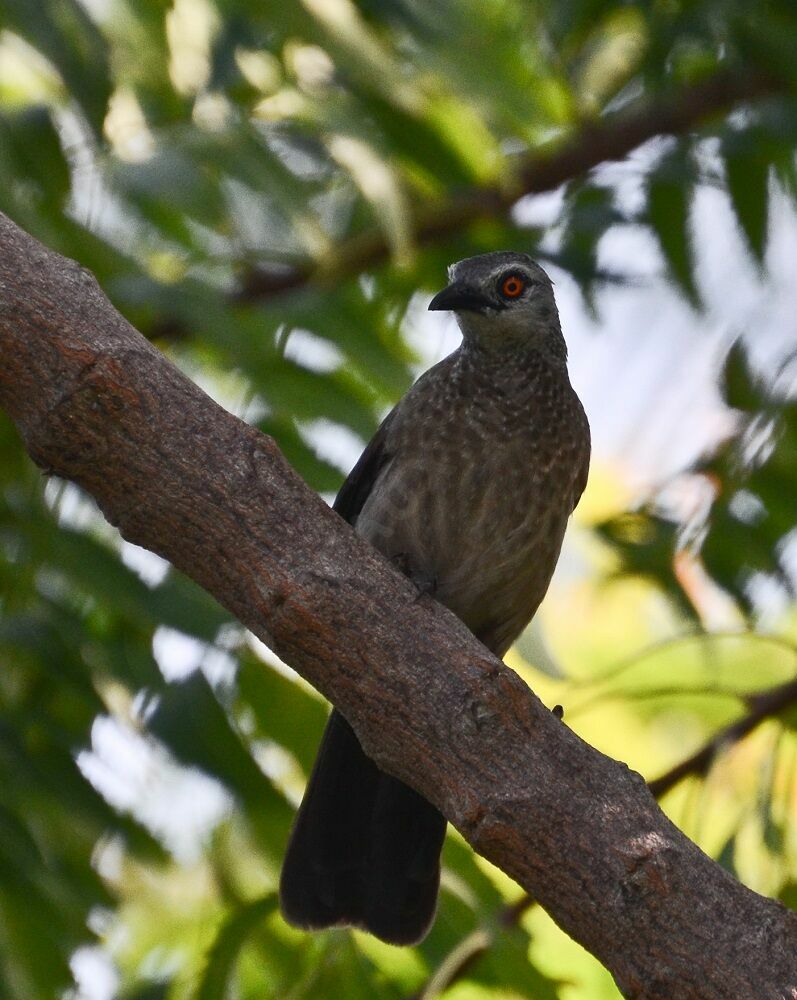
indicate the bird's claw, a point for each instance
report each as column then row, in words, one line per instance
column 426, row 583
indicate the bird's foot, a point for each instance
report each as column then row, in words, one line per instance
column 425, row 582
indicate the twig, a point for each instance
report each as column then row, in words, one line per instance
column 763, row 705
column 610, row 138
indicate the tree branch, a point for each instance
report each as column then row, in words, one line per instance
column 761, row 706
column 609, row 138
column 99, row 405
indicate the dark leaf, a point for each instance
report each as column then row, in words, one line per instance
column 748, row 167
column 669, row 200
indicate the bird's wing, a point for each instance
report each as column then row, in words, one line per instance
column 360, row 481
column 581, row 481
column 581, row 485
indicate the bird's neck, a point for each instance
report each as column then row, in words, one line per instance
column 523, row 352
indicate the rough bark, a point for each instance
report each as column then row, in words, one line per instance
column 99, row 405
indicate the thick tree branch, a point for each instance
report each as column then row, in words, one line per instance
column 99, row 405
column 762, row 705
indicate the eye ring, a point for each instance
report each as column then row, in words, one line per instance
column 512, row 286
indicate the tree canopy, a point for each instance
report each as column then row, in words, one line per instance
column 268, row 192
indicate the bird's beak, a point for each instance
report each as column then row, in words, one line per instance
column 459, row 297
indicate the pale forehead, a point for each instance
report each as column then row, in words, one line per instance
column 487, row 265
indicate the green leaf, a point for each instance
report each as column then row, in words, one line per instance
column 149, row 991
column 65, row 34
column 30, row 148
column 646, row 546
column 182, row 604
column 740, row 389
column 590, row 214
column 190, row 721
column 284, row 710
column 727, row 856
column 34, row 950
column 747, row 166
column 788, row 895
column 317, row 472
column 217, row 978
column 670, row 189
column 417, row 140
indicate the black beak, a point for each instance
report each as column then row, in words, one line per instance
column 457, row 297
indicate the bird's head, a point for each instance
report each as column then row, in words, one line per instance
column 503, row 298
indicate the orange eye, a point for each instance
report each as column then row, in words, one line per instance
column 512, row 286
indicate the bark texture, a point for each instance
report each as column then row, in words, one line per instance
column 97, row 404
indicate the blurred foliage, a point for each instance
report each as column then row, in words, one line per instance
column 203, row 155
column 744, row 534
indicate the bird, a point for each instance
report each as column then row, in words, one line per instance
column 467, row 487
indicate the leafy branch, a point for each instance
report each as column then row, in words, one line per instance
column 762, row 705
column 609, row 138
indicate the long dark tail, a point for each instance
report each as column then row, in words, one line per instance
column 365, row 848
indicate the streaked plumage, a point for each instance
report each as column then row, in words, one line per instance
column 467, row 485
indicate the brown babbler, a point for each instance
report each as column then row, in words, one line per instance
column 467, row 486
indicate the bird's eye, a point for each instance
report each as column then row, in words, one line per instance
column 512, row 286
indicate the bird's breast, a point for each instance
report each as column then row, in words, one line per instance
column 476, row 499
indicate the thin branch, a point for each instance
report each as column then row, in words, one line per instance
column 667, row 645
column 609, row 138
column 762, row 706
column 97, row 404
